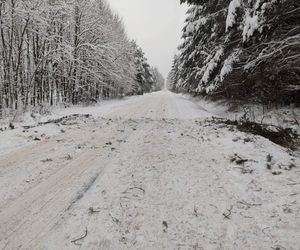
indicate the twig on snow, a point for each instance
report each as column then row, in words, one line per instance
column 196, row 211
column 143, row 190
column 267, row 234
column 81, row 238
column 249, row 204
column 115, row 220
column 93, row 211
column 227, row 215
column 245, row 216
column 293, row 184
column 278, row 248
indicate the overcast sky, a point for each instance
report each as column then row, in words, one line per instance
column 155, row 25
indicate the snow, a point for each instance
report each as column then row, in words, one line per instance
column 213, row 63
column 231, row 16
column 225, row 70
column 194, row 26
column 286, row 117
column 251, row 24
column 148, row 172
column 227, row 66
column 12, row 139
column 195, row 21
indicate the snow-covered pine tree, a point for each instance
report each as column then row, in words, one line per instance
column 158, row 80
column 242, row 49
column 144, row 78
column 173, row 77
column 203, row 48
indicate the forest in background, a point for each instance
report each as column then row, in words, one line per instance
column 241, row 50
column 67, row 51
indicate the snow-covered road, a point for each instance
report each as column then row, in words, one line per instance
column 151, row 172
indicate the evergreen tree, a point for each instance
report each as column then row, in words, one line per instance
column 144, row 78
column 242, row 49
column 158, row 80
column 173, row 80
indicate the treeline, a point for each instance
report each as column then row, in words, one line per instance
column 240, row 49
column 71, row 51
column 149, row 79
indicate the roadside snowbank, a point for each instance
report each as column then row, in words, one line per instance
column 282, row 116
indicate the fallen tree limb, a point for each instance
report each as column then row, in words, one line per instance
column 285, row 137
column 58, row 120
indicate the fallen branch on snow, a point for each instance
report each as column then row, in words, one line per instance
column 285, row 137
column 58, row 120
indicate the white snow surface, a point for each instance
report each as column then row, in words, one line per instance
column 227, row 65
column 231, row 15
column 209, row 68
column 251, row 25
column 147, row 172
column 195, row 26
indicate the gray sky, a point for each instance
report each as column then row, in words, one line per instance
column 155, row 25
